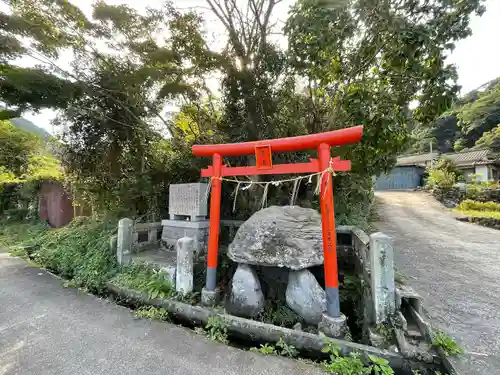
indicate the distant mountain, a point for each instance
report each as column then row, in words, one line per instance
column 27, row 125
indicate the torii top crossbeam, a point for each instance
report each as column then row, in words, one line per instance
column 263, row 154
column 303, row 142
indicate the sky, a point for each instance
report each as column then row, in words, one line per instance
column 477, row 58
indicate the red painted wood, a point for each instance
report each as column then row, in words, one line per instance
column 311, row 167
column 328, row 219
column 263, row 157
column 303, row 142
column 213, row 234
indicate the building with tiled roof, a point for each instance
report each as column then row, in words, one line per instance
column 407, row 174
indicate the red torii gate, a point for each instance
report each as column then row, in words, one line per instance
column 263, row 153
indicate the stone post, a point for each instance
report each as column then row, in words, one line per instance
column 124, row 241
column 184, row 271
column 382, row 276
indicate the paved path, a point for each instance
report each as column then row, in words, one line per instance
column 455, row 266
column 46, row 329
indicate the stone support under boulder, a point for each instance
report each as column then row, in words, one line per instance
column 246, row 298
column 305, row 296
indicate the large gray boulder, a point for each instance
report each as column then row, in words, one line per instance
column 245, row 298
column 288, row 236
column 305, row 296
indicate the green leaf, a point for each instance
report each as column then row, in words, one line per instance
column 154, row 293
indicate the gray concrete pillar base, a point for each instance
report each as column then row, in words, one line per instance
column 210, row 297
column 333, row 327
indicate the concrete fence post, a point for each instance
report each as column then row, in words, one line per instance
column 382, row 276
column 124, row 241
column 184, row 271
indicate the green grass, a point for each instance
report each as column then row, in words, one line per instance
column 15, row 236
column 475, row 213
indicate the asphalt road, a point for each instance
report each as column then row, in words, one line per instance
column 46, row 329
column 455, row 266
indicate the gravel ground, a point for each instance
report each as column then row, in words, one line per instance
column 455, row 266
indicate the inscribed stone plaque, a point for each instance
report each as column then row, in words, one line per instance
column 188, row 199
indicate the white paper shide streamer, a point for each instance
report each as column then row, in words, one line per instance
column 265, row 185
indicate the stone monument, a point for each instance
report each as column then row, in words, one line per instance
column 188, row 212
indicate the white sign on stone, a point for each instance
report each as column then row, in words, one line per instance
column 188, row 200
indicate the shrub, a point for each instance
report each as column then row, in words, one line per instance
column 79, row 252
column 470, row 205
column 441, row 179
column 443, row 175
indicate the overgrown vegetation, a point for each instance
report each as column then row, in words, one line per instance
column 473, row 121
column 442, row 175
column 351, row 295
column 145, row 278
column 215, row 330
column 25, row 161
column 483, row 191
column 128, row 66
column 353, row 363
column 446, row 343
column 278, row 313
column 79, row 252
column 15, row 236
column 486, row 209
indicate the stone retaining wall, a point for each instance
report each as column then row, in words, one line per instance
column 484, row 221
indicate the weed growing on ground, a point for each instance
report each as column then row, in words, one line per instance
column 380, row 366
column 446, row 343
column 151, row 312
column 353, row 364
column 216, row 330
column 281, row 348
column 144, row 278
column 279, row 314
column 265, row 349
column 285, row 349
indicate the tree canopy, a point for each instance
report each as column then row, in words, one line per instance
column 358, row 61
column 470, row 123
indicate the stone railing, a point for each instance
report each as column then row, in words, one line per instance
column 384, row 300
column 373, row 261
column 134, row 237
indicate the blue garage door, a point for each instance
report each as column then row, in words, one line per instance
column 400, row 178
